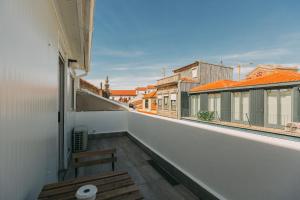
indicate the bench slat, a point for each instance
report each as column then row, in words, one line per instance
column 94, row 162
column 93, row 153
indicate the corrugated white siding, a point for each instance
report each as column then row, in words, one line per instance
column 29, row 43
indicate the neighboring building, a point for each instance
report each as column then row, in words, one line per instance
column 140, row 91
column 172, row 98
column 262, row 70
column 150, row 88
column 94, row 89
column 149, row 103
column 271, row 100
column 122, row 95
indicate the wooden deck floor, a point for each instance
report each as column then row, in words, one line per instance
column 131, row 158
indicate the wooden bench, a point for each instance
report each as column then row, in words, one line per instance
column 110, row 185
column 80, row 159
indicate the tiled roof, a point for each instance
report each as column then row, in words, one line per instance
column 278, row 76
column 123, row 93
column 150, row 95
column 141, row 88
column 214, row 85
column 151, row 86
column 187, row 79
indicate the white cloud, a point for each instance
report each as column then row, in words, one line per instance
column 265, row 54
column 117, row 53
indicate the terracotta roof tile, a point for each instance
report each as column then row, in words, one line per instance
column 150, row 95
column 141, row 88
column 187, row 79
column 214, row 85
column 151, row 87
column 278, row 76
column 123, row 93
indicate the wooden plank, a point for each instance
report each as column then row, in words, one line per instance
column 70, row 188
column 94, row 153
column 101, row 189
column 94, row 162
column 117, row 192
column 83, row 179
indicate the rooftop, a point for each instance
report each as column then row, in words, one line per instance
column 276, row 77
column 141, row 88
column 150, row 95
column 123, row 93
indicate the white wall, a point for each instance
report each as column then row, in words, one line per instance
column 103, row 121
column 30, row 42
column 230, row 164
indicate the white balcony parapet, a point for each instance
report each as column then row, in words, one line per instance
column 219, row 159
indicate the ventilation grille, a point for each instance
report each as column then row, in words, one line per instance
column 79, row 139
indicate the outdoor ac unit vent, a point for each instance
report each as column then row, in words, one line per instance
column 79, row 139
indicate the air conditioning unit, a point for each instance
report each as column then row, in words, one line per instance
column 79, row 139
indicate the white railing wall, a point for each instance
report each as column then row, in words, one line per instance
column 231, row 164
column 102, row 121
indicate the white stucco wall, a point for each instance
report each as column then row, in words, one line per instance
column 103, row 121
column 230, row 164
column 30, row 44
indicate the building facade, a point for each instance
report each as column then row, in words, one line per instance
column 269, row 101
column 172, row 99
column 43, row 45
column 123, row 96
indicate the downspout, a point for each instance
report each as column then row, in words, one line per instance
column 179, row 99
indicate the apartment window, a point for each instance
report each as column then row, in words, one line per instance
column 195, row 105
column 173, row 102
column 279, row 107
column 146, row 103
column 194, row 73
column 286, row 106
column 240, row 108
column 214, row 104
column 245, row 106
column 166, row 102
column 159, row 102
column 236, row 106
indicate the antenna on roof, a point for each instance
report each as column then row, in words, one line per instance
column 163, row 71
column 221, row 61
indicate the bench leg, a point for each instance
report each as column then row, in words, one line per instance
column 113, row 162
column 76, row 169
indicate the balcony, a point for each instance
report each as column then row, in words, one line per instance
column 132, row 159
column 169, row 80
column 206, row 160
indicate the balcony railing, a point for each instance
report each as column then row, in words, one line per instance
column 218, row 159
column 170, row 79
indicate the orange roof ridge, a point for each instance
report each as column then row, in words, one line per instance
column 278, row 76
column 214, row 85
column 123, row 93
column 150, row 95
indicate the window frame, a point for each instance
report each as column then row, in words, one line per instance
column 278, row 96
column 166, row 103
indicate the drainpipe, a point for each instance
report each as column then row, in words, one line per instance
column 179, row 99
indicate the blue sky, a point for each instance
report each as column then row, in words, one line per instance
column 134, row 39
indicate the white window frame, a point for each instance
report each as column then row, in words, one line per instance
column 278, row 94
column 214, row 104
column 194, row 72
